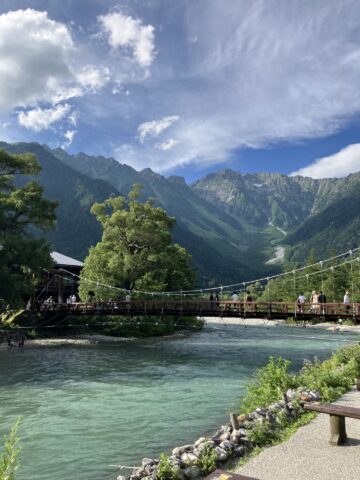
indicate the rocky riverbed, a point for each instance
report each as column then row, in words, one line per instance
column 232, row 440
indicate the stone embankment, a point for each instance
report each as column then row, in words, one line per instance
column 232, row 440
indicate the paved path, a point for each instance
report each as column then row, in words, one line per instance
column 307, row 454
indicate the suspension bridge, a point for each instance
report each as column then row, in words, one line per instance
column 204, row 308
column 213, row 301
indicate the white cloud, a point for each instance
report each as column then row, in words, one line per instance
column 167, row 145
column 339, row 164
column 34, row 58
column 93, row 78
column 40, row 119
column 153, row 128
column 130, row 34
column 69, row 136
column 256, row 76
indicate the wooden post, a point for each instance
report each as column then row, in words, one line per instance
column 358, row 384
column 234, row 421
column 337, row 430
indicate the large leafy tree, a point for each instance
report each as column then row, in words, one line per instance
column 23, row 213
column 136, row 251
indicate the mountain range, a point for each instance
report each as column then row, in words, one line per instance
column 237, row 226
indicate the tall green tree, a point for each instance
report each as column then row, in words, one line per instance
column 136, row 251
column 23, row 214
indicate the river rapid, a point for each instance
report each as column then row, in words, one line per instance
column 88, row 407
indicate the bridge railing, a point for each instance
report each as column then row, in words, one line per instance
column 205, row 308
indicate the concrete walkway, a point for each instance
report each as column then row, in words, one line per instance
column 308, row 454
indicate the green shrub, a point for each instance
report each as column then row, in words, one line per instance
column 268, row 385
column 165, row 471
column 207, row 460
column 9, row 462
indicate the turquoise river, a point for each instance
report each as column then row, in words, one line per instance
column 87, row 408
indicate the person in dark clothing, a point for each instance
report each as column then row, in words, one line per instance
column 322, row 297
column 217, row 298
column 211, row 298
column 322, row 301
column 248, row 297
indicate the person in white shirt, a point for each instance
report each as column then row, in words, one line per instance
column 234, row 297
column 346, row 298
column 300, row 302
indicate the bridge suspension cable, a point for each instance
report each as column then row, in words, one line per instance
column 224, row 288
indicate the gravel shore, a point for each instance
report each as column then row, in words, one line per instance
column 260, row 322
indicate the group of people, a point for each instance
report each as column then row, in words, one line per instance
column 234, row 297
column 317, row 301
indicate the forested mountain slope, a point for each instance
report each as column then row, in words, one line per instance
column 230, row 222
column 76, row 228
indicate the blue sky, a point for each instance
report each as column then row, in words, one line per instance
column 188, row 86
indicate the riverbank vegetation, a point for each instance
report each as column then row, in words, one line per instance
column 9, row 455
column 275, row 381
column 270, row 412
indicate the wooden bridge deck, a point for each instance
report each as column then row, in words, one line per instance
column 203, row 308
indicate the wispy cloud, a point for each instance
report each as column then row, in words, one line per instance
column 167, row 145
column 69, row 137
column 43, row 118
column 257, row 75
column 340, row 164
column 130, row 35
column 154, row 128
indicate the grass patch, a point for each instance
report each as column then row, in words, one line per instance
column 331, row 378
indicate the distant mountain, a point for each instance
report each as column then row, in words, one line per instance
column 76, row 228
column 219, row 244
column 319, row 215
column 231, row 223
column 336, row 227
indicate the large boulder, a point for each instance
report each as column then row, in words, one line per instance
column 192, row 472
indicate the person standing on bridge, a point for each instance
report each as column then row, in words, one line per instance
column 300, row 302
column 128, row 301
column 346, row 300
column 235, row 297
column 322, row 301
column 314, row 300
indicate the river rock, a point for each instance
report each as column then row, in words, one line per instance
column 121, row 477
column 270, row 417
column 314, row 395
column 198, row 450
column 176, row 452
column 221, row 454
column 224, row 436
column 242, row 418
column 254, row 416
column 189, row 458
column 226, row 445
column 244, row 441
column 137, row 476
column 261, row 411
column 192, row 472
column 199, row 441
column 290, row 394
column 179, row 473
column 235, row 436
column 147, row 461
column 305, row 397
column 239, row 451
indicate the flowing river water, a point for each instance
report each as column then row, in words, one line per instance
column 88, row 407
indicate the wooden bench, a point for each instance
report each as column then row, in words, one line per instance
column 225, row 475
column 337, row 419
